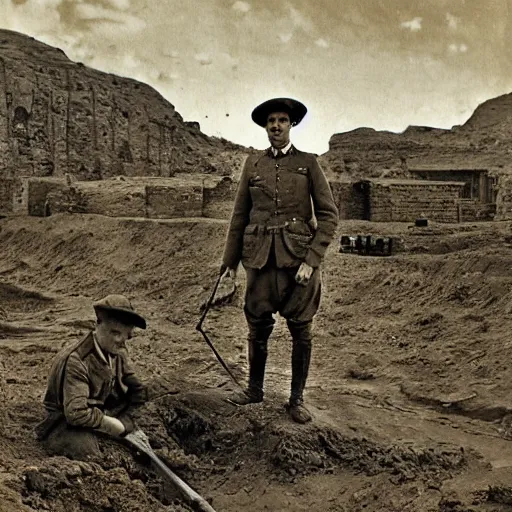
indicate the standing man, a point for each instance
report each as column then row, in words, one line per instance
column 283, row 220
column 91, row 387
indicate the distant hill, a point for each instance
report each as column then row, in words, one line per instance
column 58, row 116
column 483, row 141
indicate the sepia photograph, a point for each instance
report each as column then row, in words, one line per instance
column 255, row 256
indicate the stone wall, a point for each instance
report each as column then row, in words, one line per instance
column 32, row 194
column 218, row 198
column 170, row 201
column 114, row 198
column 200, row 195
column 349, row 197
column 69, row 200
column 407, row 200
column 504, row 197
column 6, row 195
column 159, row 198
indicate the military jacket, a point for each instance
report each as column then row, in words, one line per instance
column 284, row 204
column 81, row 381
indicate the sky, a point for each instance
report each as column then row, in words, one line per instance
column 384, row 64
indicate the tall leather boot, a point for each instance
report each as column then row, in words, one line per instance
column 259, row 333
column 301, row 356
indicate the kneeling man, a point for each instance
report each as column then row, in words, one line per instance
column 91, row 387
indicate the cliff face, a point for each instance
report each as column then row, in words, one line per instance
column 58, row 117
column 483, row 141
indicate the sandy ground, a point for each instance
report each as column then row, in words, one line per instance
column 410, row 382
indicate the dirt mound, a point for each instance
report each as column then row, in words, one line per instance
column 62, row 485
column 16, row 298
column 409, row 386
column 257, row 436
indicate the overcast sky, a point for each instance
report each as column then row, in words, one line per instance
column 384, row 64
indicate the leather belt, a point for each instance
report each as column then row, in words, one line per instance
column 276, row 228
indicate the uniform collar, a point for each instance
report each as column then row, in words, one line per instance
column 106, row 358
column 272, row 151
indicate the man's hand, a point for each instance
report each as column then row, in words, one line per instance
column 303, row 275
column 128, row 424
column 112, row 426
column 117, row 427
column 226, row 271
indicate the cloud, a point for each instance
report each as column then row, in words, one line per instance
column 91, row 13
column 203, row 58
column 130, row 62
column 122, row 5
column 164, row 76
column 285, row 38
column 241, row 6
column 172, row 54
column 104, row 18
column 458, row 48
column 30, row 17
column 322, row 43
column 227, row 60
column 413, row 25
column 299, row 20
column 111, row 29
column 453, row 21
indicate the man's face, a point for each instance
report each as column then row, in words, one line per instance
column 112, row 335
column 278, row 129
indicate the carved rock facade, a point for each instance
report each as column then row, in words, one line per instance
column 58, row 117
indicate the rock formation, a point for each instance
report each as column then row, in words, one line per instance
column 58, row 117
column 482, row 142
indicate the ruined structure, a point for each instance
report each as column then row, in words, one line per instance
column 193, row 195
column 406, row 200
column 58, row 117
column 478, row 197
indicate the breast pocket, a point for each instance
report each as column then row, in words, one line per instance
column 295, row 183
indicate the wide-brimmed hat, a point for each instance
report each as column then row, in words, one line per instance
column 119, row 307
column 294, row 108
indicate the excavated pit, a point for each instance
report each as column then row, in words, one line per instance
column 409, row 384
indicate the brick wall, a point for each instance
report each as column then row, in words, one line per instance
column 218, row 198
column 34, row 192
column 471, row 210
column 6, row 195
column 108, row 197
column 504, row 198
column 405, row 201
column 349, row 197
column 168, row 201
column 114, row 198
column 68, row 200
